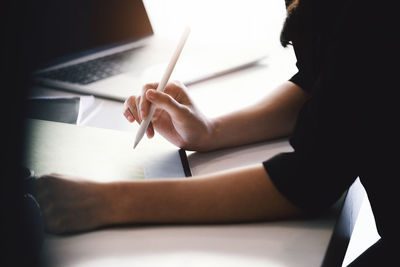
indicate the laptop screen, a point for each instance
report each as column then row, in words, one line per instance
column 63, row 28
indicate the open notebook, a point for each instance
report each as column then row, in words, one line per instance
column 98, row 154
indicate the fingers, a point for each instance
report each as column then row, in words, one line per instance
column 136, row 108
column 150, row 131
column 177, row 90
column 130, row 111
column 174, row 100
column 166, row 102
column 143, row 102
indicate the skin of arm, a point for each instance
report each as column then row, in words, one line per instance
column 239, row 195
column 273, row 117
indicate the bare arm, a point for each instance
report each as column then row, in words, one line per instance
column 274, row 116
column 240, row 195
column 182, row 123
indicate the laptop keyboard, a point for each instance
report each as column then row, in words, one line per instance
column 92, row 70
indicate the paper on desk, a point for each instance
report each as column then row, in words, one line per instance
column 97, row 154
column 87, row 108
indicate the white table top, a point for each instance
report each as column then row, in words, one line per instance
column 287, row 243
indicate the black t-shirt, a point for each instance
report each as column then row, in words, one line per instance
column 348, row 128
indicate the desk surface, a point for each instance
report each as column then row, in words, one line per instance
column 287, row 243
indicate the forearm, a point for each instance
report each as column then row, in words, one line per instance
column 234, row 196
column 241, row 195
column 272, row 117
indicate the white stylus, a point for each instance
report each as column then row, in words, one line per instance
column 164, row 80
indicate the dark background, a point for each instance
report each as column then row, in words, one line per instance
column 19, row 245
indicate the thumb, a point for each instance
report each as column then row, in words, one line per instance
column 164, row 101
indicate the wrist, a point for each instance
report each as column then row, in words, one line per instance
column 210, row 138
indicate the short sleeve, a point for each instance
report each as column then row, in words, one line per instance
column 304, row 77
column 307, row 184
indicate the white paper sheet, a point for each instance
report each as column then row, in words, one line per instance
column 97, row 154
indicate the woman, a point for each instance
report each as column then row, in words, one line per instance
column 339, row 127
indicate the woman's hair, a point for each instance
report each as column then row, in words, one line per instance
column 289, row 29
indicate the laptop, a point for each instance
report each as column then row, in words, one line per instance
column 103, row 48
column 96, row 47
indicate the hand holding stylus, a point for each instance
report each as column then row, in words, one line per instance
column 162, row 84
column 168, row 109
